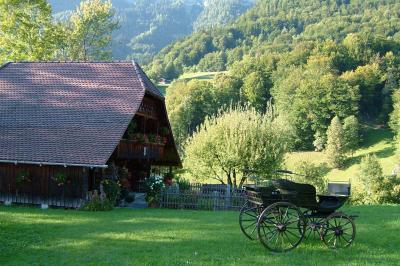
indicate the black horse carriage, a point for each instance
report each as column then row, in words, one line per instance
column 284, row 213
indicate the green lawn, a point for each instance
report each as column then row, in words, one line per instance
column 378, row 141
column 189, row 76
column 177, row 237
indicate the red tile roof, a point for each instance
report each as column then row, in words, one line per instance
column 67, row 113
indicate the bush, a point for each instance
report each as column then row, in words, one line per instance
column 112, row 190
column 183, row 184
column 313, row 174
column 372, row 186
column 154, row 184
column 98, row 203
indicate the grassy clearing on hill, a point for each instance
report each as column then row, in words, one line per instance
column 177, row 237
column 378, row 141
column 190, row 76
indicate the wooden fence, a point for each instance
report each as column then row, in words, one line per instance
column 202, row 197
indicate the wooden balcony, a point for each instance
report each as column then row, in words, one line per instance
column 134, row 150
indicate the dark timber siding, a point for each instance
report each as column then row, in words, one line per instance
column 41, row 182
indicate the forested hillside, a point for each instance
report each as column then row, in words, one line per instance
column 313, row 59
column 147, row 26
column 277, row 26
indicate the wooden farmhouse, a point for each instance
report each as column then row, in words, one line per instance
column 64, row 126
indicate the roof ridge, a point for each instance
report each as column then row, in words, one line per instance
column 136, row 67
column 142, row 76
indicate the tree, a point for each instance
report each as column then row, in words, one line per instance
column 256, row 90
column 25, row 30
column 238, row 139
column 188, row 103
column 351, row 129
column 89, row 31
column 335, row 148
column 371, row 177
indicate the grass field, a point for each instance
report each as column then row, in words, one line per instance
column 189, row 76
column 176, row 237
column 378, row 141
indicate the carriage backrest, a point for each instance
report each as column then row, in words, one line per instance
column 339, row 188
column 302, row 195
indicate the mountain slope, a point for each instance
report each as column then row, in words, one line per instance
column 274, row 26
column 146, row 26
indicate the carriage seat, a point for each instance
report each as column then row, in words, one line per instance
column 304, row 195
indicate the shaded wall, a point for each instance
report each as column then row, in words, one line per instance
column 41, row 181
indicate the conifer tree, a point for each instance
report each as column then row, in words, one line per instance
column 335, row 148
column 351, row 130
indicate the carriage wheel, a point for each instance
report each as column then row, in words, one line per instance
column 338, row 231
column 248, row 220
column 281, row 227
column 313, row 225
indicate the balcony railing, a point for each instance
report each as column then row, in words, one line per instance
column 128, row 149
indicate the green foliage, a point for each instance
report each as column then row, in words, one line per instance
column 367, row 28
column 98, row 203
column 351, row 131
column 312, row 174
column 26, row 30
column 219, row 12
column 22, row 176
column 154, row 184
column 335, row 148
column 256, row 90
column 112, row 189
column 60, row 178
column 88, row 31
column 374, row 187
column 188, row 103
column 238, row 139
column 183, row 184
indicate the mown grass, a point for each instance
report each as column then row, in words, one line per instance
column 177, row 237
column 189, row 76
column 378, row 141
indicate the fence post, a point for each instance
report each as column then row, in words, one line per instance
column 228, row 197
column 215, row 200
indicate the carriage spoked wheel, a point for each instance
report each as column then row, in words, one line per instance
column 248, row 218
column 313, row 225
column 338, row 231
column 281, row 227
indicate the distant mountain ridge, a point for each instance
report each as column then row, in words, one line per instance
column 147, row 26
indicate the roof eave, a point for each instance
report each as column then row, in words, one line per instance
column 55, row 164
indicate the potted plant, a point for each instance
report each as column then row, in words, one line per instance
column 60, row 178
column 152, row 138
column 21, row 178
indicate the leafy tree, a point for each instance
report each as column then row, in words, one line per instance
column 313, row 174
column 256, row 90
column 89, row 31
column 369, row 80
column 351, row 131
column 220, row 12
column 335, row 148
column 188, row 103
column 25, row 30
column 212, row 62
column 238, row 139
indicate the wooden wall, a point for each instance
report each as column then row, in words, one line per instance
column 41, row 183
